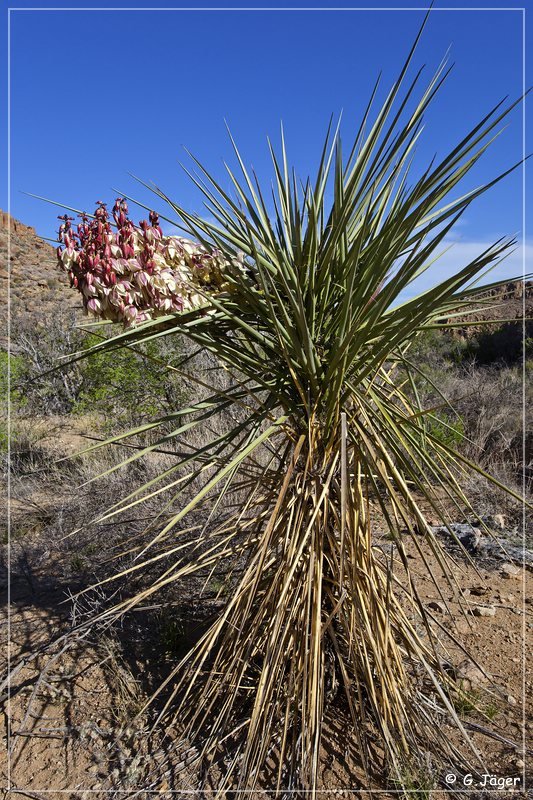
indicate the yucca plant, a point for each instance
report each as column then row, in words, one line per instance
column 305, row 313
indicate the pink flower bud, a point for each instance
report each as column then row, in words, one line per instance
column 94, row 305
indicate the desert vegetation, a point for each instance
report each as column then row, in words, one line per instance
column 274, row 434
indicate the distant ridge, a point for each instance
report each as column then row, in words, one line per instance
column 507, row 302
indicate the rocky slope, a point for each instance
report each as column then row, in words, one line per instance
column 507, row 302
column 510, row 337
column 38, row 286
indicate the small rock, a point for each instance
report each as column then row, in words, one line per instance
column 463, row 626
column 498, row 521
column 469, row 536
column 511, row 700
column 519, row 764
column 510, row 572
column 483, row 611
column 436, row 606
column 471, row 675
column 478, row 591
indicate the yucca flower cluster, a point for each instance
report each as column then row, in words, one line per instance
column 131, row 274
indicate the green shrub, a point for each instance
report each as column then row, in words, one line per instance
column 18, row 367
column 3, row 437
column 18, row 401
column 123, row 385
column 449, row 431
column 434, row 348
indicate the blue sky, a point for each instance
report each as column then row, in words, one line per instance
column 97, row 94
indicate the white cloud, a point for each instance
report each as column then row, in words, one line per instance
column 462, row 253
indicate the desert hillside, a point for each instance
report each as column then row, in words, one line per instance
column 37, row 285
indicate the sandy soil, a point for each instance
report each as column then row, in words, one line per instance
column 72, row 729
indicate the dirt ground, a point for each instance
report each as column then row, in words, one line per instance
column 74, row 731
column 77, row 725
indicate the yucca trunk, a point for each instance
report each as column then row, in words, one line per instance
column 314, row 623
